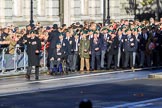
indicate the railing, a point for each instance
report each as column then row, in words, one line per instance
column 17, row 63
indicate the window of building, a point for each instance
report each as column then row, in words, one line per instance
column 41, row 7
column 17, row 7
column 84, row 7
column 101, row 6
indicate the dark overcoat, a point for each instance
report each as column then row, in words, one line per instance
column 33, row 45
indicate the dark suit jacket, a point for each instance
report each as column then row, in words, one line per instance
column 70, row 43
column 74, row 44
column 127, row 44
column 143, row 42
column 53, row 38
column 93, row 46
column 58, row 54
column 113, row 47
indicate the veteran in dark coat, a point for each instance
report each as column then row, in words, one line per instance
column 130, row 45
column 52, row 40
column 33, row 49
column 113, row 44
column 95, row 48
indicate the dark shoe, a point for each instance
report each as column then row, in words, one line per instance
column 37, row 78
column 98, row 68
column 102, row 68
column 115, row 69
column 91, row 69
column 27, row 77
column 124, row 68
column 141, row 66
column 107, row 68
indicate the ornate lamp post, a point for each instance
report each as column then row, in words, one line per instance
column 104, row 7
column 158, row 9
column 31, row 13
column 135, row 8
column 108, row 11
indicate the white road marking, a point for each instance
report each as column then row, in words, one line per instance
column 137, row 104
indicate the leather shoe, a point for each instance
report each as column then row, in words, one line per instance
column 27, row 77
column 37, row 78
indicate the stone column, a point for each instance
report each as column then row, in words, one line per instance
column 114, row 9
column 67, row 12
column 2, row 16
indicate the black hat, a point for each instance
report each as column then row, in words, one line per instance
column 55, row 26
column 90, row 30
column 104, row 29
column 85, row 31
column 63, row 25
column 61, row 34
column 95, row 32
column 144, row 28
column 32, row 32
column 77, row 23
column 48, row 28
column 120, row 29
column 135, row 29
column 58, row 43
column 67, row 31
column 129, row 29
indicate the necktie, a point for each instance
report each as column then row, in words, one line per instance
column 145, row 37
column 76, row 46
column 105, row 36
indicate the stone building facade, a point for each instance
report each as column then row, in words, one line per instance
column 47, row 12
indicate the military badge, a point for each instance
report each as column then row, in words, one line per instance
column 70, row 42
column 131, row 39
column 58, row 53
column 34, row 43
column 63, row 44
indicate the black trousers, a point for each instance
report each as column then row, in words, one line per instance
column 70, row 62
column 128, row 57
column 110, row 58
column 75, row 61
column 29, row 69
column 95, row 60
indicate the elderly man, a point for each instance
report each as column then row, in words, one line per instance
column 84, row 52
column 33, row 49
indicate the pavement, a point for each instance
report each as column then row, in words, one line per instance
column 119, row 89
column 43, row 71
column 155, row 75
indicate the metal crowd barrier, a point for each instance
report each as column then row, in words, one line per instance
column 17, row 63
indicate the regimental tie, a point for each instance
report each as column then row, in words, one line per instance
column 76, row 45
column 105, row 36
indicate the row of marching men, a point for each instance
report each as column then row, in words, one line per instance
column 93, row 50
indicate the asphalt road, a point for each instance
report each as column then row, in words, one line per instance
column 105, row 90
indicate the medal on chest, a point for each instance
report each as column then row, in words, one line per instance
column 85, row 44
column 34, row 43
